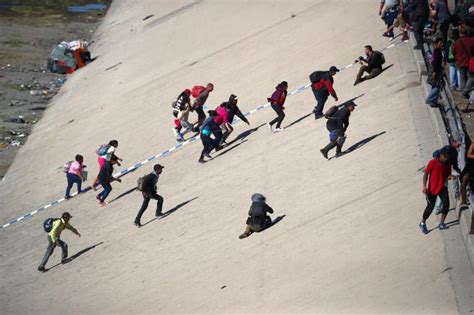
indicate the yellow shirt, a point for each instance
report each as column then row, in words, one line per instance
column 58, row 227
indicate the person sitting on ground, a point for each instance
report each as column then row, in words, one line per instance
column 437, row 80
column 54, row 239
column 74, row 175
column 372, row 64
column 337, row 124
column 437, row 172
column 181, row 110
column 258, row 219
column 277, row 102
column 149, row 192
column 105, row 178
column 210, row 128
column 322, row 85
column 199, row 103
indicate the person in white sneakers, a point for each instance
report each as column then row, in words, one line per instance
column 277, row 101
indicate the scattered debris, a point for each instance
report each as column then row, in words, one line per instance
column 148, row 16
column 115, row 65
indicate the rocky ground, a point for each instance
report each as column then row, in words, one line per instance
column 26, row 86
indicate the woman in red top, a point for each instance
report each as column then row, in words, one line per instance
column 438, row 170
column 277, row 100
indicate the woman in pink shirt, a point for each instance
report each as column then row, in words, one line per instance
column 74, row 175
column 222, row 119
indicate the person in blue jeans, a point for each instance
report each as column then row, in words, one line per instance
column 210, row 128
column 105, row 178
column 437, row 75
column 74, row 175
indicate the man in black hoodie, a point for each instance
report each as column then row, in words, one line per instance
column 105, row 178
column 258, row 219
column 337, row 125
column 149, row 192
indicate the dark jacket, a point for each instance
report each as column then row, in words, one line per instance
column 258, row 213
column 325, row 85
column 375, row 61
column 149, row 183
column 182, row 102
column 420, row 10
column 105, row 174
column 202, row 98
column 234, row 110
column 339, row 120
column 279, row 96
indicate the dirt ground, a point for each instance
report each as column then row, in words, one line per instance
column 25, row 85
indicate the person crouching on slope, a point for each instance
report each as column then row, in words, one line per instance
column 277, row 101
column 437, row 172
column 181, row 110
column 54, row 239
column 338, row 121
column 105, row 178
column 210, row 127
column 258, row 219
column 322, row 85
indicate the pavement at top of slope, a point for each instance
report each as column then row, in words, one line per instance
column 348, row 241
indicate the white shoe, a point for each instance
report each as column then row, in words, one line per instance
column 269, row 126
column 175, row 132
column 278, row 129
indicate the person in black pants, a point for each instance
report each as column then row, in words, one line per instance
column 420, row 11
column 277, row 100
column 105, row 178
column 258, row 219
column 208, row 128
column 337, row 125
column 149, row 192
column 322, row 86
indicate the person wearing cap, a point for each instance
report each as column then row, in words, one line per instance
column 258, row 218
column 199, row 103
column 234, row 110
column 210, row 128
column 149, row 192
column 181, row 110
column 372, row 64
column 105, row 178
column 54, row 239
column 437, row 172
column 277, row 102
column 337, row 125
column 322, row 89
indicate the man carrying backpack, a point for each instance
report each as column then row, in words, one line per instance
column 181, row 110
column 200, row 96
column 322, row 86
column 148, row 189
column 372, row 64
column 338, row 121
column 58, row 225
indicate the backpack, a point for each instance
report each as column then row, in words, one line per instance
column 67, row 166
column 140, row 182
column 102, row 150
column 197, row 90
column 380, row 57
column 331, row 111
column 48, row 224
column 316, row 76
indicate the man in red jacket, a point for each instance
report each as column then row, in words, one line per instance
column 277, row 100
column 322, row 89
column 463, row 50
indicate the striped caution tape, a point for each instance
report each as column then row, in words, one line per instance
column 169, row 151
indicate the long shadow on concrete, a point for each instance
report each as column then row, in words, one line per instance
column 171, row 211
column 245, row 134
column 123, row 194
column 79, row 253
column 363, row 142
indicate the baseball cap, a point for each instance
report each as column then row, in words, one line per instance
column 350, row 103
column 333, row 69
column 158, row 166
column 233, row 97
column 66, row 215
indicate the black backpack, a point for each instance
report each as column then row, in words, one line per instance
column 316, row 76
column 331, row 111
column 48, row 224
column 380, row 58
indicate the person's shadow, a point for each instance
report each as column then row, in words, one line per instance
column 170, row 211
column 361, row 143
column 245, row 134
column 76, row 255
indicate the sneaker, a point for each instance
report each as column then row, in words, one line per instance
column 443, row 226
column 431, row 104
column 102, row 203
column 317, row 116
column 207, row 155
column 269, row 126
column 67, row 197
column 243, row 235
column 278, row 129
column 201, row 160
column 175, row 132
column 41, row 269
column 423, row 228
column 180, row 137
column 137, row 224
column 339, row 154
column 405, row 37
column 324, row 153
